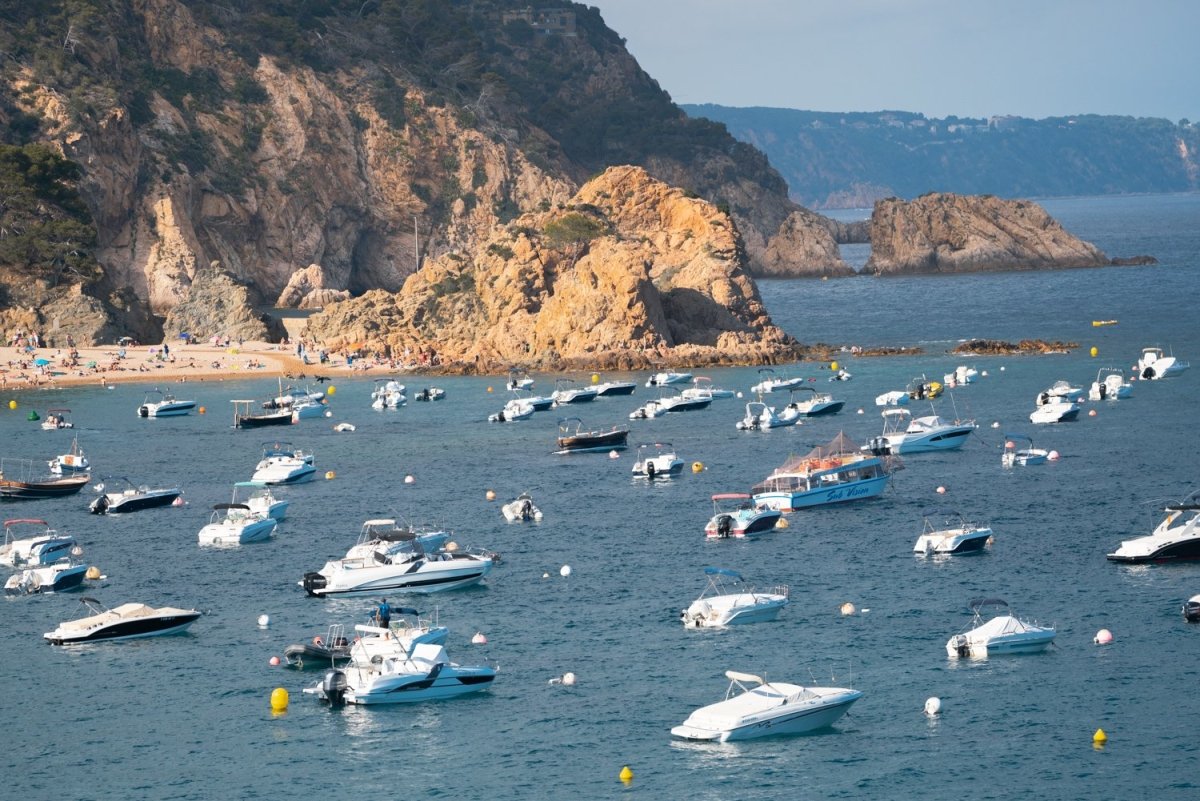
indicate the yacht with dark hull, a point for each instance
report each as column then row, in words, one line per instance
column 125, row 622
column 1175, row 539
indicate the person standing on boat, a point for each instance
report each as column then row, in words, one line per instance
column 383, row 614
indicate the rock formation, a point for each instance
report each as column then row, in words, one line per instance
column 803, row 247
column 997, row 347
column 946, row 233
column 217, row 305
column 628, row 273
column 306, row 290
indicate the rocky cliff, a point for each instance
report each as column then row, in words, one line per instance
column 946, row 233
column 627, row 273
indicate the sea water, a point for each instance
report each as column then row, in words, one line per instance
column 188, row 717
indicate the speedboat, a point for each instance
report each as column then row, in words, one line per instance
column 57, row 577
column 373, row 644
column 742, row 518
column 1002, row 634
column 611, row 388
column 245, row 415
column 132, row 498
column 769, row 382
column 423, row 673
column 236, row 524
column 407, row 569
column 540, row 403
column 73, row 461
column 647, row 411
column 385, row 535
column 961, row 375
column 56, row 419
column 663, row 462
column 1060, row 391
column 521, row 509
column 836, row 472
column 902, row 433
column 283, row 463
column 388, row 394
column 1154, row 364
column 1015, row 454
column 515, row 409
column 321, row 652
column 29, row 542
column 1110, row 384
column 683, row 403
column 702, row 387
column 812, row 405
column 760, row 417
column 668, row 377
column 518, row 380
column 1055, row 410
column 430, row 394
column 1176, row 538
column 125, row 622
column 260, row 500
column 163, row 404
column 725, row 601
column 754, row 707
column 955, row 535
column 896, row 397
column 921, row 388
column 566, row 392
column 1191, row 609
column 573, row 439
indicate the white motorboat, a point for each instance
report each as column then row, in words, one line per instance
column 30, row 542
column 609, row 389
column 760, row 417
column 770, row 382
column 657, row 460
column 56, row 419
column 567, row 392
column 260, row 500
column 961, row 375
column 726, row 601
column 71, row 462
column 951, row 534
column 540, row 403
column 702, row 387
column 374, row 644
column 810, row 403
column 57, row 577
column 423, row 673
column 836, row 472
column 902, row 433
column 1175, row 539
column 386, row 535
column 388, row 394
column 1110, row 384
column 430, row 394
column 409, row 569
column 1191, row 609
column 164, row 404
column 754, row 707
column 236, row 524
column 303, row 403
column 647, row 411
column 515, row 409
column 1060, row 391
column 519, row 381
column 1019, row 450
column 683, row 403
column 736, row 515
column 283, row 463
column 1154, row 364
column 897, row 397
column 521, row 509
column 125, row 622
column 668, row 377
column 1055, row 410
column 131, row 497
column 1003, row 633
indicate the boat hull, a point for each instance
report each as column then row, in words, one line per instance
column 113, row 505
column 742, row 525
column 842, row 493
column 127, row 630
column 50, row 578
column 217, row 534
column 407, row 689
column 165, row 410
column 1182, row 551
column 11, row 490
column 590, row 443
column 261, row 421
column 408, row 577
column 782, row 720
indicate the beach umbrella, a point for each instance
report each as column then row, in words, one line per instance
column 41, row 362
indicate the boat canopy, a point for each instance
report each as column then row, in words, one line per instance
column 747, row 677
column 839, row 445
column 976, row 603
column 230, row 506
column 32, row 520
column 731, row 496
column 723, row 571
column 1017, row 436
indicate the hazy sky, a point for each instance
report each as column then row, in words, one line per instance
column 970, row 58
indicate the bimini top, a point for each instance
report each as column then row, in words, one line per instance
column 839, row 445
column 731, row 496
column 722, row 571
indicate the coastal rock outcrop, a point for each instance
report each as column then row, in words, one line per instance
column 998, row 347
column 306, row 290
column 804, row 247
column 947, row 233
column 218, row 305
column 628, row 273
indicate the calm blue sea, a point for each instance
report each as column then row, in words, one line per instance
column 188, row 717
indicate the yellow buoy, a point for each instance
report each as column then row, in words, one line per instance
column 279, row 699
column 782, row 523
column 330, row 475
column 1094, row 351
column 595, row 378
column 697, row 467
column 202, row 410
column 1100, row 737
column 92, row 573
column 833, row 365
column 489, row 389
column 331, row 391
column 626, row 774
column 12, row 404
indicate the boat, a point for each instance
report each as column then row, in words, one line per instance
column 303, row 403
column 283, row 463
column 56, row 419
column 1191, row 609
column 668, row 377
column 18, row 482
column 1099, row 323
column 1003, row 633
column 566, row 392
column 896, row 397
column 1110, row 384
column 903, row 433
column 388, row 394
column 841, row 375
column 961, row 375
column 519, row 381
column 610, row 389
column 760, row 417
column 1056, row 410
column 736, row 515
column 30, row 542
column 836, row 472
column 954, row 534
column 921, row 388
column 321, row 652
column 260, row 500
column 1016, row 454
column 769, row 382
column 702, row 387
column 385, row 535
column 125, row 622
column 647, row 411
column 754, row 707
column 1175, row 539
column 236, row 524
column 1060, row 391
column 246, row 416
column 430, row 394
column 683, row 403
column 814, row 404
column 163, row 404
column 540, row 403
column 423, row 673
column 132, row 498
column 55, row 577
column 372, row 643
column 725, row 601
column 515, row 409
column 521, row 509
column 657, row 460
column 406, row 569
column 572, row 438
column 1154, row 364
column 73, row 461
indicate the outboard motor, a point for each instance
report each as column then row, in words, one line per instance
column 724, row 526
column 650, row 468
column 313, row 582
column 100, row 505
column 333, row 687
column 879, row 446
column 143, row 411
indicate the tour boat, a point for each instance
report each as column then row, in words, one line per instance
column 836, row 472
column 726, row 601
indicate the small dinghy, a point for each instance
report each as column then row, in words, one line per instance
column 521, row 509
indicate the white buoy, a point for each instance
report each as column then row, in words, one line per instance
column 274, row 661
column 614, row 455
column 984, row 374
column 564, row 571
column 76, row 550
column 1002, row 369
column 848, row 608
column 996, row 424
column 860, row 411
column 479, row 639
column 1052, row 456
column 1103, row 637
column 409, row 479
column 328, row 413
column 545, row 575
column 941, row 490
column 264, row 621
column 490, row 495
column 933, row 706
column 568, row 678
